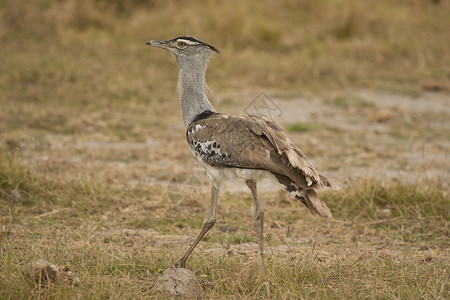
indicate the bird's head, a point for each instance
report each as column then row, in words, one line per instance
column 185, row 48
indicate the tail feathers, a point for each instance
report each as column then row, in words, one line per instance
column 325, row 182
column 308, row 197
column 301, row 199
column 315, row 205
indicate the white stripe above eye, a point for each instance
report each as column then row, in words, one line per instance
column 188, row 42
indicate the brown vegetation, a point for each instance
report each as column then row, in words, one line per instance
column 91, row 135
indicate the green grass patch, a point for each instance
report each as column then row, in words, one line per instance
column 418, row 200
column 300, row 127
column 349, row 101
column 310, row 127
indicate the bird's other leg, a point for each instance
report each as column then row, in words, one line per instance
column 208, row 223
column 258, row 218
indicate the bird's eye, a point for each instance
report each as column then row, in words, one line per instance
column 181, row 44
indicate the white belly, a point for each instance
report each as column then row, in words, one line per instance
column 219, row 175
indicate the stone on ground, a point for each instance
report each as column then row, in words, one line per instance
column 42, row 270
column 45, row 271
column 179, row 282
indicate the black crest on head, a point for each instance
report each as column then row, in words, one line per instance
column 193, row 39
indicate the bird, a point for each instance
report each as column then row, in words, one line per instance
column 243, row 147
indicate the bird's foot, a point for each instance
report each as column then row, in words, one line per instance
column 180, row 263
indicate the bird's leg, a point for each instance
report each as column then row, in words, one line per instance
column 208, row 223
column 258, row 218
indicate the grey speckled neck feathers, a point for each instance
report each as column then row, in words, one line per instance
column 192, row 86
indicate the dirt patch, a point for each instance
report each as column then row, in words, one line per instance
column 351, row 134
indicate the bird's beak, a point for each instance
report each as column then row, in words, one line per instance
column 160, row 44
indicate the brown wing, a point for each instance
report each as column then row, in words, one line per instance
column 250, row 142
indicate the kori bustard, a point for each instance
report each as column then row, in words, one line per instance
column 237, row 146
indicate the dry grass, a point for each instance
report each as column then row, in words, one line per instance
column 91, row 136
column 117, row 241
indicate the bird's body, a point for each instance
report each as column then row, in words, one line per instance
column 219, row 153
column 252, row 148
column 243, row 147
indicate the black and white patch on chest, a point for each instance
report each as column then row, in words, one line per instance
column 208, row 150
column 204, row 148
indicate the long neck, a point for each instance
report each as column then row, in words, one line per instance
column 192, row 88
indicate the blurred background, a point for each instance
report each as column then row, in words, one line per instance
column 80, row 69
column 91, row 138
column 94, row 48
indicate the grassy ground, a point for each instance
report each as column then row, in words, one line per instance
column 91, row 135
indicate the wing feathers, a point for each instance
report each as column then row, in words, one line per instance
column 295, row 158
column 252, row 142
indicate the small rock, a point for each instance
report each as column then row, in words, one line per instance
column 383, row 212
column 42, row 270
column 179, row 282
